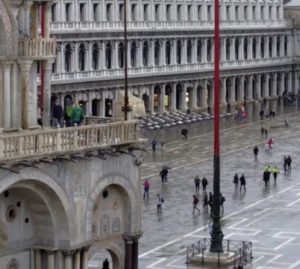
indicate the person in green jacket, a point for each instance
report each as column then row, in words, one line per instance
column 77, row 114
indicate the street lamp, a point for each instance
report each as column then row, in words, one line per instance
column 216, row 235
column 126, row 108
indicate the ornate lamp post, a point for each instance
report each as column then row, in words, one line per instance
column 126, row 108
column 216, row 235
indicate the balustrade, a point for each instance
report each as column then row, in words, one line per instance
column 44, row 143
column 150, row 25
column 115, row 73
column 37, row 48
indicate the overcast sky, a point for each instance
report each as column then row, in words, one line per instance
column 293, row 3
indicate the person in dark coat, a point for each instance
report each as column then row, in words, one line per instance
column 289, row 163
column 105, row 264
column 243, row 182
column 236, row 181
column 197, row 184
column 204, row 184
column 57, row 115
column 255, row 151
column 184, row 132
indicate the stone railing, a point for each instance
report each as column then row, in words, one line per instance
column 56, row 142
column 161, row 25
column 37, row 48
column 166, row 69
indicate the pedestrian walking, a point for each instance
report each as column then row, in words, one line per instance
column 275, row 171
column 184, row 132
column 146, row 189
column 153, row 143
column 105, row 264
column 197, row 184
column 164, row 175
column 236, row 181
column 204, row 184
column 160, row 201
column 221, row 201
column 77, row 114
column 255, row 151
column 261, row 114
column 266, row 175
column 262, row 131
column 205, row 202
column 270, row 143
column 285, row 163
column 243, row 182
column 266, row 133
column 286, row 124
column 289, row 163
column 195, row 203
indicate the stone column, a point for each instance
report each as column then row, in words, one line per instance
column 89, row 104
column 7, row 94
column 15, row 97
column 258, row 47
column 232, row 49
column 223, row 92
column 242, row 89
column 250, row 48
column 103, row 55
column 173, row 98
column 223, row 49
column 47, row 93
column 184, row 52
column 27, row 95
column 27, row 7
column 290, row 82
column 161, row 107
column 173, row 52
column 50, row 259
column 163, row 53
column 274, row 47
column 250, row 88
column 183, row 98
column 135, row 252
column 75, row 58
column 232, row 91
column 194, row 97
column 37, row 259
column 77, row 260
column 241, row 48
column 102, row 105
column 281, row 54
column 140, row 53
column 68, row 259
column 151, row 99
column 47, row 18
column 204, row 50
column 151, row 54
column 258, row 86
column 84, row 256
column 281, row 90
column 274, row 85
column 194, row 51
column 266, row 49
column 296, row 79
column 204, row 94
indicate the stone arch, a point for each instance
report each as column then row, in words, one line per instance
column 115, row 250
column 52, row 195
column 127, row 188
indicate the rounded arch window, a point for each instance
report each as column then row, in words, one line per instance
column 11, row 213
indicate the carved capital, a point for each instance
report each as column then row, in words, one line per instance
column 25, row 65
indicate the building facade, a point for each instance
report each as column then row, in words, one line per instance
column 65, row 193
column 170, row 52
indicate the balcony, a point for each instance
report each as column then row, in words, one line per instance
column 47, row 143
column 37, row 48
column 65, row 27
column 147, row 71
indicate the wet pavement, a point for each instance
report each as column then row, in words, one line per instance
column 269, row 217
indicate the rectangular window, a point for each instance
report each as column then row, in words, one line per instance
column 157, row 12
column 262, row 11
column 179, row 15
column 121, row 12
column 53, row 12
column 146, row 12
column 237, row 13
column 227, row 13
column 209, row 15
column 168, row 11
column 95, row 12
column 199, row 12
column 246, row 13
column 82, row 12
column 189, row 13
column 109, row 12
column 254, row 17
column 68, row 12
column 133, row 12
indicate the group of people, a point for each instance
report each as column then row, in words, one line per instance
column 72, row 115
column 287, row 163
column 239, row 180
column 268, row 171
